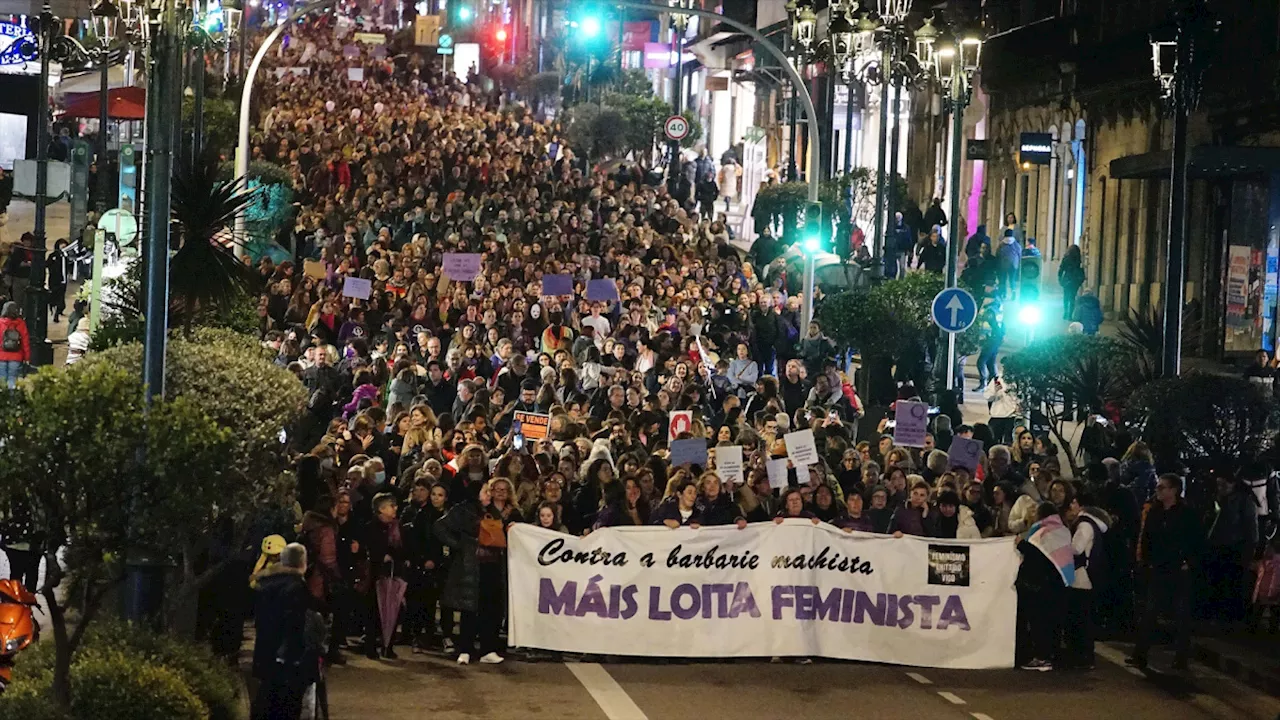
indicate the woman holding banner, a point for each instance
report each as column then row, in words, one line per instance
column 793, row 508
column 717, row 507
column 682, row 510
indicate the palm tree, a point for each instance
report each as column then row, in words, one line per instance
column 204, row 274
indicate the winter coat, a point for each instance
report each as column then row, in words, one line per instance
column 910, row 521
column 669, row 509
column 1236, row 524
column 722, row 511
column 1023, row 514
column 280, row 608
column 1170, row 537
column 1089, row 314
column 743, row 373
column 459, row 530
column 1010, row 253
column 319, row 534
column 1083, row 541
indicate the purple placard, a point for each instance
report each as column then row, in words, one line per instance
column 603, row 290
column 350, row 51
column 557, row 285
column 462, row 267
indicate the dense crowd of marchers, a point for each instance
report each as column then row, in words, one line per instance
column 412, row 460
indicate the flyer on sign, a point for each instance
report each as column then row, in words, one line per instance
column 791, row 589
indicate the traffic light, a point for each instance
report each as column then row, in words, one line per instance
column 590, row 26
column 500, row 34
column 460, row 14
column 812, row 237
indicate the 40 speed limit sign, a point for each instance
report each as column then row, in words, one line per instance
column 676, row 127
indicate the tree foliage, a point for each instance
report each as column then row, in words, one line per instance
column 1202, row 421
column 99, row 475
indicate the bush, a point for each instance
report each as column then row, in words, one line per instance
column 226, row 374
column 208, row 677
column 198, row 675
column 25, row 702
column 113, row 685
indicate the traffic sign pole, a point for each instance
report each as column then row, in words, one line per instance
column 953, row 310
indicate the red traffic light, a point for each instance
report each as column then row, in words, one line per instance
column 500, row 35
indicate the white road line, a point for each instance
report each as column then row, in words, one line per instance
column 952, row 698
column 1115, row 657
column 981, row 716
column 920, row 678
column 608, row 694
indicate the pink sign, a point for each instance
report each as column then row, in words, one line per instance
column 657, row 55
column 461, row 267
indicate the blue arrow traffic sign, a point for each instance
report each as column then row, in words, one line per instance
column 954, row 310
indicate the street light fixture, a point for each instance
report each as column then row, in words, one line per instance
column 1179, row 67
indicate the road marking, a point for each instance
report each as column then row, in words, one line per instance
column 920, row 678
column 981, row 716
column 951, row 697
column 1115, row 657
column 608, row 694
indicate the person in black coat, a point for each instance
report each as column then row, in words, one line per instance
column 427, row 561
column 285, row 658
column 476, row 585
column 717, row 507
column 56, row 266
column 1170, row 546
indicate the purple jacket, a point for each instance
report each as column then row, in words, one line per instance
column 362, row 392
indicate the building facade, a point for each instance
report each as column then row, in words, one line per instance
column 1081, row 72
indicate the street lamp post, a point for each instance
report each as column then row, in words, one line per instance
column 956, row 65
column 1179, row 67
column 898, row 67
column 679, row 21
column 50, row 45
column 106, row 19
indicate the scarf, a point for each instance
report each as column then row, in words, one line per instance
column 1052, row 538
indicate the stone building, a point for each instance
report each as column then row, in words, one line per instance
column 1080, row 72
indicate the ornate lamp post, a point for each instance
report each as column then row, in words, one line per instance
column 106, row 20
column 1179, row 67
column 893, row 58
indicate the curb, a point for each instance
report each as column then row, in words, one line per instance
column 1229, row 665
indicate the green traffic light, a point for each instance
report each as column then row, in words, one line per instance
column 464, row 13
column 812, row 244
column 590, row 26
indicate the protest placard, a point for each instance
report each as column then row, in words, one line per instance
column 689, row 452
column 681, row 422
column 965, row 453
column 533, row 426
column 729, row 464
column 911, row 422
column 556, row 285
column 801, row 448
column 777, row 470
column 462, row 267
column 602, row 290
column 354, row 287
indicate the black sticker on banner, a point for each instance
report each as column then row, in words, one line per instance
column 949, row 565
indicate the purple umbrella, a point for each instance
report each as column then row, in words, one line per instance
column 390, row 598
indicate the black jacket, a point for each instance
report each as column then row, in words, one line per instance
column 280, row 614
column 1170, row 537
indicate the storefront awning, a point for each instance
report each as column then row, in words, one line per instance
column 1206, row 161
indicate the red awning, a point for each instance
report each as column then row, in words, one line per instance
column 125, row 103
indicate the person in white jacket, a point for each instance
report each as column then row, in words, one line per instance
column 954, row 520
column 1089, row 526
column 1003, row 406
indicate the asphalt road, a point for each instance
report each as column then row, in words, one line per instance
column 421, row 686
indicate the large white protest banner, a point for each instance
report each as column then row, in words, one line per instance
column 793, row 589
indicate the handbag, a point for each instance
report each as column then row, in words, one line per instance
column 492, row 533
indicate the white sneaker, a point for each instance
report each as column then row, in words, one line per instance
column 464, row 659
column 492, row 658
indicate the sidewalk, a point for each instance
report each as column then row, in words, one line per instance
column 22, row 219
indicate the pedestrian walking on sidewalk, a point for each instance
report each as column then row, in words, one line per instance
column 15, row 344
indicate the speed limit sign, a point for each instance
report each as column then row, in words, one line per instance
column 676, row 127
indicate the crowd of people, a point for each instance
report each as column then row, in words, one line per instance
column 414, row 458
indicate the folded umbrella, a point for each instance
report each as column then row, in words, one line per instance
column 390, row 597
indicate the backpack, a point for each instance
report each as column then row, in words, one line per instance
column 11, row 341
